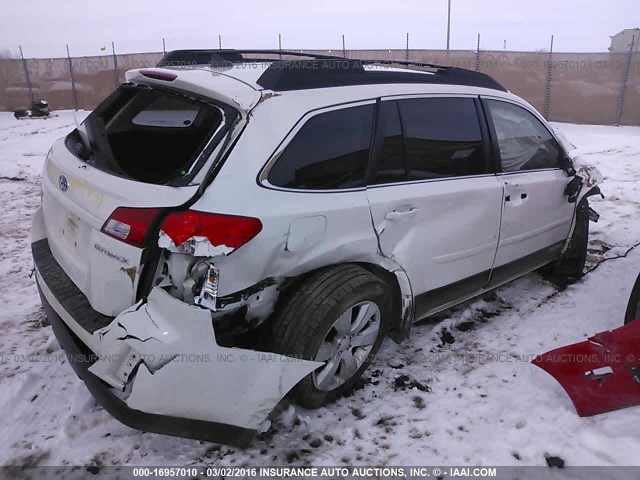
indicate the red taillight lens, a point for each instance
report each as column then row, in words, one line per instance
column 229, row 230
column 130, row 224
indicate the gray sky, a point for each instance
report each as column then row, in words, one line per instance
column 43, row 27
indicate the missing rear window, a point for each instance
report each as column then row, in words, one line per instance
column 151, row 136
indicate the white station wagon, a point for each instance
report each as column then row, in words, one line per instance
column 235, row 226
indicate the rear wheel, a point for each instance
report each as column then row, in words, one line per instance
column 337, row 316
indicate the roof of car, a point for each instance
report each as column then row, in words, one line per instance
column 240, row 77
column 287, row 70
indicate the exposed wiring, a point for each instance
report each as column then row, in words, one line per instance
column 611, row 258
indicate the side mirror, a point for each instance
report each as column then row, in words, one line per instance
column 567, row 165
column 573, row 188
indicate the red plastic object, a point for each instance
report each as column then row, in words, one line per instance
column 601, row 374
column 130, row 225
column 230, row 230
column 166, row 76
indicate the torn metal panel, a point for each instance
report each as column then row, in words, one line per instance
column 599, row 374
column 183, row 371
column 249, row 307
column 197, row 246
column 591, row 175
column 591, row 178
column 196, row 280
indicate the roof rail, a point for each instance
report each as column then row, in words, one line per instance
column 320, row 71
column 224, row 57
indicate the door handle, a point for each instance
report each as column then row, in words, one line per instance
column 394, row 214
column 523, row 196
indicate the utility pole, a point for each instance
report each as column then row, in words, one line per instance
column 27, row 75
column 625, row 80
column 116, row 72
column 448, row 23
column 547, row 90
column 406, row 52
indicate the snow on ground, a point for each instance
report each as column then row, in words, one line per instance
column 460, row 391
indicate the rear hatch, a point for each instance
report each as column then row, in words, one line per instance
column 142, row 150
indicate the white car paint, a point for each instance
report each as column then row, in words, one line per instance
column 425, row 227
column 185, row 373
column 537, row 213
column 396, row 228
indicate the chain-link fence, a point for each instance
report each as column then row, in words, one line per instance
column 591, row 88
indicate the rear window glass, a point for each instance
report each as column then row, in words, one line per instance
column 151, row 136
column 330, row 151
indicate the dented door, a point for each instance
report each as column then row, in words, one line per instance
column 435, row 205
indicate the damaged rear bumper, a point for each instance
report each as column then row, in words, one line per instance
column 157, row 366
column 79, row 359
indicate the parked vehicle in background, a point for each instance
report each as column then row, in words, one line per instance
column 215, row 237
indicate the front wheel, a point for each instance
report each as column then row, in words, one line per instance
column 633, row 306
column 337, row 316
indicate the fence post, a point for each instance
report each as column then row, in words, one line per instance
column 478, row 54
column 406, row 54
column 547, row 88
column 344, row 50
column 219, row 42
column 116, row 73
column 74, row 94
column 164, row 50
column 280, row 44
column 625, row 79
column 27, row 76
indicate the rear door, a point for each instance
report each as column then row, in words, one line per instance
column 536, row 216
column 144, row 152
column 435, row 201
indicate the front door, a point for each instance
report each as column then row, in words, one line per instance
column 536, row 215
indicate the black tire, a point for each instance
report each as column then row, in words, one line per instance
column 633, row 306
column 571, row 264
column 307, row 315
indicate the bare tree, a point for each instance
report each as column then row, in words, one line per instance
column 7, row 53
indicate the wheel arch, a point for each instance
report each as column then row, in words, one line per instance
column 391, row 275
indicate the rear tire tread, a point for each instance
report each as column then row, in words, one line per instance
column 300, row 316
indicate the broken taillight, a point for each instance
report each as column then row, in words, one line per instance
column 221, row 230
column 130, row 224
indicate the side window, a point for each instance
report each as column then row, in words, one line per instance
column 442, row 138
column 330, row 151
column 525, row 143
